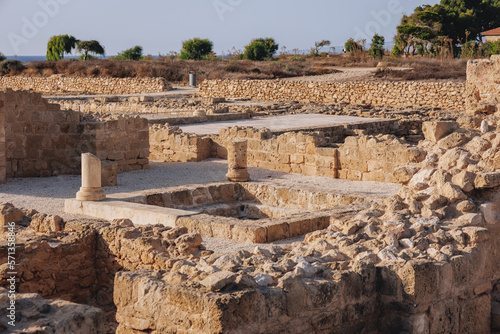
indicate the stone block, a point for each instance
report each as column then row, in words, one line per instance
column 277, row 231
column 420, row 282
column 434, row 131
column 487, row 180
column 444, row 317
column 475, row 315
column 109, row 174
column 9, row 213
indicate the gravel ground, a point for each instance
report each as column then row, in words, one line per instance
column 47, row 195
column 276, row 123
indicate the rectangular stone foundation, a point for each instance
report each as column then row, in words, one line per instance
column 271, row 212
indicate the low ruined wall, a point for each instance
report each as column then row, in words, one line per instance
column 444, row 95
column 42, row 140
column 296, row 306
column 171, row 144
column 58, row 84
column 363, row 158
column 370, row 158
column 483, row 89
column 289, row 152
column 80, row 261
column 63, row 270
column 415, row 296
column 120, row 139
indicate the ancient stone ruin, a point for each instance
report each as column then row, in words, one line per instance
column 337, row 215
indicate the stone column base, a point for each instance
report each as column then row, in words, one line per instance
column 90, row 194
column 238, row 175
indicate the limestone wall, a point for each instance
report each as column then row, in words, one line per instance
column 346, row 305
column 121, row 139
column 415, row 296
column 171, row 144
column 483, row 89
column 445, row 95
column 289, row 152
column 63, row 270
column 314, row 153
column 42, row 140
column 374, row 158
column 60, row 84
column 365, row 158
column 79, row 259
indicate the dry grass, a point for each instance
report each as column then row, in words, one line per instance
column 174, row 70
column 412, row 70
column 177, row 71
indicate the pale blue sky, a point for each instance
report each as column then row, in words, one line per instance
column 162, row 25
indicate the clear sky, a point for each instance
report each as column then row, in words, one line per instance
column 160, row 26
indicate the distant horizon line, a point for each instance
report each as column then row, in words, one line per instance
column 289, row 51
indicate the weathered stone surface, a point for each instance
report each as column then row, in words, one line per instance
column 435, row 131
column 55, row 138
column 218, row 280
column 487, row 180
column 453, row 140
column 452, row 193
column 57, row 83
column 41, row 223
column 9, row 214
column 37, row 315
column 404, row 174
column 444, row 95
column 491, row 213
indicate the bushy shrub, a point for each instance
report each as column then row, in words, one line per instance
column 2, row 57
column 196, row 49
column 134, row 53
column 352, row 47
column 260, row 49
column 8, row 66
column 491, row 48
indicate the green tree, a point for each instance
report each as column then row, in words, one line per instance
column 59, row 45
column 90, row 49
column 318, row 46
column 196, row 48
column 376, row 50
column 260, row 49
column 351, row 46
column 134, row 53
column 2, row 57
column 419, row 30
column 445, row 27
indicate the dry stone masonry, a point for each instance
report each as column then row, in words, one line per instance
column 425, row 94
column 39, row 139
column 483, row 92
column 60, row 84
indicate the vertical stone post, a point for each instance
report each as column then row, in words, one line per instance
column 91, row 179
column 237, row 161
column 199, row 113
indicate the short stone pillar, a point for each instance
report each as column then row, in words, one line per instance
column 91, row 179
column 237, row 161
column 199, row 113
